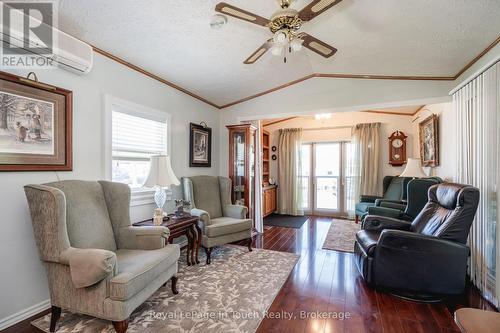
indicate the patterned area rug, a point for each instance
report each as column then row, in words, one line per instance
column 341, row 236
column 230, row 295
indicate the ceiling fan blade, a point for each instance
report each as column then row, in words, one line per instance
column 315, row 8
column 259, row 52
column 241, row 14
column 315, row 45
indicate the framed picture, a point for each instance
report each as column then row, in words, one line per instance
column 200, row 146
column 429, row 141
column 35, row 126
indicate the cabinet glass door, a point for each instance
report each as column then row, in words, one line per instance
column 239, row 168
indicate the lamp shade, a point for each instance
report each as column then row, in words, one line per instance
column 413, row 169
column 160, row 172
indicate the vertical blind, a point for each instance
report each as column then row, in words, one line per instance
column 137, row 137
column 477, row 106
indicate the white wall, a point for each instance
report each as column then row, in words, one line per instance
column 447, row 133
column 320, row 95
column 389, row 124
column 22, row 279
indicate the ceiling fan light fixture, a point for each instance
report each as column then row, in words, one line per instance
column 296, row 44
column 277, row 50
column 218, row 21
column 280, row 37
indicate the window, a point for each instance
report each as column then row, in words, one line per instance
column 135, row 133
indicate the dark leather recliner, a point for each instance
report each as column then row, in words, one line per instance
column 427, row 256
column 416, row 199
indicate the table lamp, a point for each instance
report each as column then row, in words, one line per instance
column 413, row 169
column 160, row 176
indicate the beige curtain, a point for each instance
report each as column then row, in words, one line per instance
column 289, row 182
column 365, row 159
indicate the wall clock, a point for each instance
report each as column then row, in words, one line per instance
column 397, row 148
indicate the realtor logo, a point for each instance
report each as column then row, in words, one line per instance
column 28, row 34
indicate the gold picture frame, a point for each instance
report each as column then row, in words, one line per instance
column 429, row 141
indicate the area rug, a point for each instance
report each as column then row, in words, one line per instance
column 229, row 295
column 285, row 221
column 341, row 236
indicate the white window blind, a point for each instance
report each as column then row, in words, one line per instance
column 135, row 137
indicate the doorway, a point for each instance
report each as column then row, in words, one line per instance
column 326, row 178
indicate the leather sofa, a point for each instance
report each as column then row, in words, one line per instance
column 394, row 189
column 425, row 257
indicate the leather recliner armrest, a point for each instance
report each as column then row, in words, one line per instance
column 386, row 212
column 379, row 223
column 412, row 241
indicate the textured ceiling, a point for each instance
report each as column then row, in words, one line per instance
column 172, row 39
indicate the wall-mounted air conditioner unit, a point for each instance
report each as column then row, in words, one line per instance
column 68, row 52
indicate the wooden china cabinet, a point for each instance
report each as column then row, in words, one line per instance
column 242, row 165
column 268, row 190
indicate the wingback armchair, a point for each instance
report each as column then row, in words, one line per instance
column 394, row 189
column 97, row 263
column 425, row 257
column 221, row 221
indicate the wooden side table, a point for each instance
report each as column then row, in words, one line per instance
column 179, row 226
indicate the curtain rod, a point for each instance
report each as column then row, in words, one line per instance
column 475, row 75
column 325, row 128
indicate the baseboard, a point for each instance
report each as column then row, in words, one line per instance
column 24, row 314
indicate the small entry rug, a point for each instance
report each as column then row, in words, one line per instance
column 229, row 295
column 341, row 236
column 285, row 221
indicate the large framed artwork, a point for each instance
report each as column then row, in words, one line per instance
column 35, row 126
column 200, row 145
column 429, row 141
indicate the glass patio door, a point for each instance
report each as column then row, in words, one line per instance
column 324, row 178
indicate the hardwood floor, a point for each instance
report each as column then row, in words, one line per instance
column 326, row 281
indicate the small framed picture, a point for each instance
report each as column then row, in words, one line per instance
column 35, row 126
column 200, row 146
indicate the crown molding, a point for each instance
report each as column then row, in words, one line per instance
column 151, row 75
column 302, row 79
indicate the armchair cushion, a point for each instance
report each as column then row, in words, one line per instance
column 226, row 225
column 137, row 268
column 235, row 211
column 143, row 238
column 206, row 195
column 88, row 266
column 368, row 240
column 362, row 207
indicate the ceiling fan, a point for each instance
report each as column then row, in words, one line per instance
column 285, row 25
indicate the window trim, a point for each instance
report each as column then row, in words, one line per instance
column 140, row 196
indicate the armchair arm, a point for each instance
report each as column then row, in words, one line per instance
column 423, row 263
column 379, row 223
column 383, row 211
column 368, row 198
column 393, row 205
column 88, row 266
column 202, row 215
column 235, row 211
column 149, row 237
